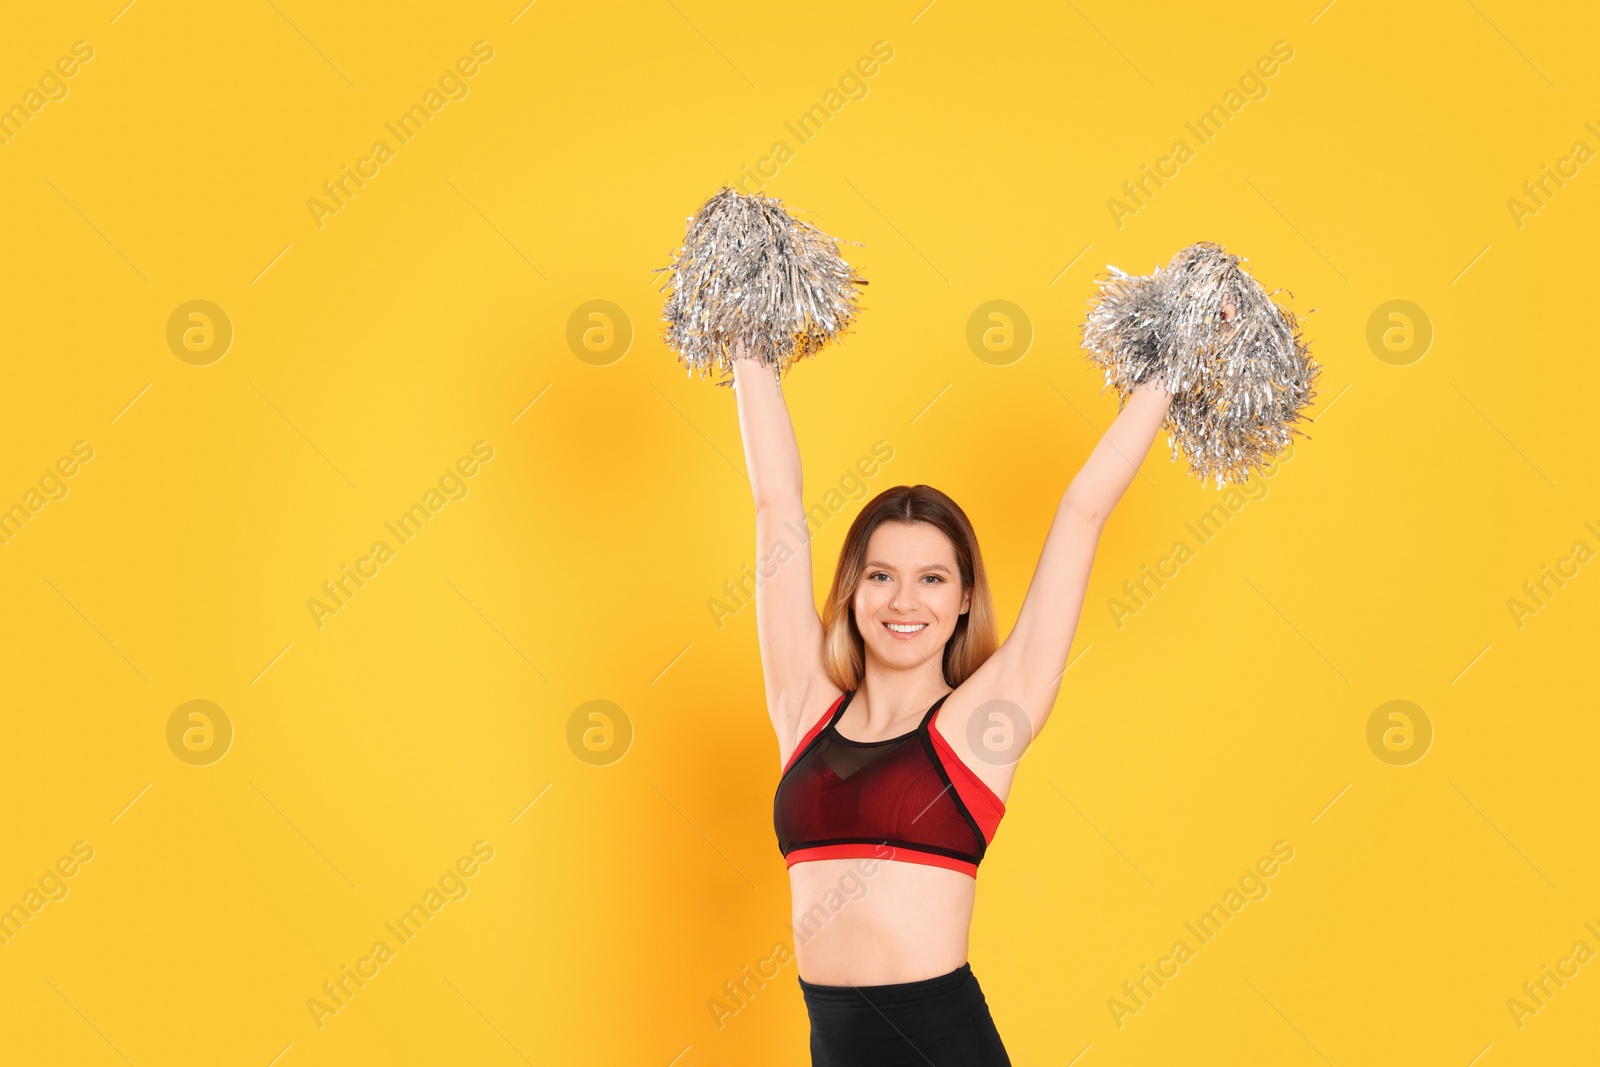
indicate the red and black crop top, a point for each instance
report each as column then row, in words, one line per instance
column 906, row 798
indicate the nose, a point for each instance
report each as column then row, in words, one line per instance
column 904, row 597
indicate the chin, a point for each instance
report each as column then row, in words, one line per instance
column 908, row 652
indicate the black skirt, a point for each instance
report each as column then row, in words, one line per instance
column 939, row 1021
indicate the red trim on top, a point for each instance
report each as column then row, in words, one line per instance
column 985, row 805
column 879, row 851
column 816, row 729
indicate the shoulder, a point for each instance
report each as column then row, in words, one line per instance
column 814, row 717
column 988, row 725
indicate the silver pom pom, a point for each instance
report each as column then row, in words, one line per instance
column 752, row 275
column 1124, row 330
column 1238, row 386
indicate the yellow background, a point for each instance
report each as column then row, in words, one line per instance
column 432, row 309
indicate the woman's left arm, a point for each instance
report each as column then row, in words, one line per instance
column 1028, row 666
column 1111, row 467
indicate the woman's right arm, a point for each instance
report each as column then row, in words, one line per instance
column 787, row 625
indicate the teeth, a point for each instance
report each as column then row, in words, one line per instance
column 897, row 628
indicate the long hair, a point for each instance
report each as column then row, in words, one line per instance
column 975, row 638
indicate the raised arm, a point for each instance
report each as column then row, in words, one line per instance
column 1027, row 667
column 787, row 625
column 1111, row 467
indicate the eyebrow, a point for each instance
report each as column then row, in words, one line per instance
column 889, row 567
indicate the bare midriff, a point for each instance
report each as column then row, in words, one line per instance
column 874, row 922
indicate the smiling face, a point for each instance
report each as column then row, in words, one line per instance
column 911, row 580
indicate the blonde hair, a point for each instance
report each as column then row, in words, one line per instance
column 976, row 634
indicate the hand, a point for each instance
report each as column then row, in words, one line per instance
column 1229, row 313
column 1156, row 384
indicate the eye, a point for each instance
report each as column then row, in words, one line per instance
column 935, row 577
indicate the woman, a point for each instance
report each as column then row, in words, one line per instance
column 900, row 723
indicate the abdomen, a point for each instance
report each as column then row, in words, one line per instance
column 871, row 922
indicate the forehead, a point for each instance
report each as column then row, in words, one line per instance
column 910, row 544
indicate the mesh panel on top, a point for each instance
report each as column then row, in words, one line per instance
column 892, row 791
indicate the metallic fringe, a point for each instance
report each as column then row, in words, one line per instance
column 1237, row 387
column 750, row 273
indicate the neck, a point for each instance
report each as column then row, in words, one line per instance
column 889, row 695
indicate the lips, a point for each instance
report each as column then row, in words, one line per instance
column 907, row 634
